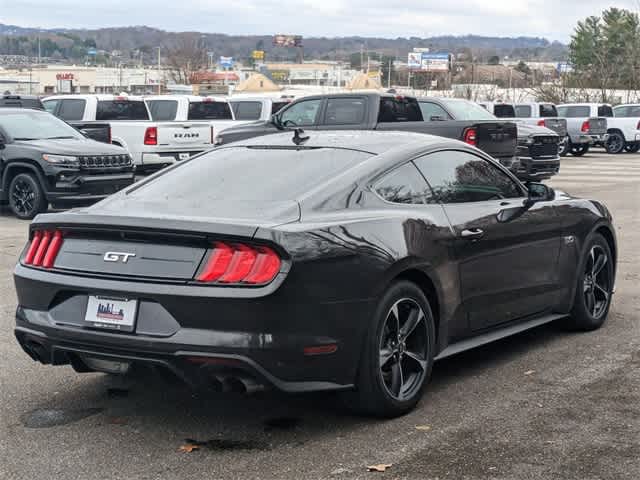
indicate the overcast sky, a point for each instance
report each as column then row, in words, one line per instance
column 553, row 19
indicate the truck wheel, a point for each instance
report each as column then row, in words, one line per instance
column 615, row 143
column 633, row 148
column 26, row 198
column 564, row 147
column 579, row 150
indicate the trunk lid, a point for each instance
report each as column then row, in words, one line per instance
column 498, row 139
column 598, row 125
column 558, row 125
column 184, row 134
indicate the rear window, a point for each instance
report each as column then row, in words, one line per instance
column 605, row 111
column 247, row 110
column 21, row 103
column 399, row 109
column 163, row 110
column 575, row 111
column 548, row 110
column 250, row 174
column 504, row 111
column 122, row 110
column 627, row 111
column 209, row 111
column 523, row 111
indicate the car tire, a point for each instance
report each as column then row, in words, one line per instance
column 579, row 150
column 615, row 143
column 394, row 387
column 26, row 198
column 632, row 148
column 594, row 286
column 564, row 147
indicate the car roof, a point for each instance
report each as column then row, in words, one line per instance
column 374, row 142
column 190, row 98
column 5, row 110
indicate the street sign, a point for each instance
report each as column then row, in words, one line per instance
column 226, row 62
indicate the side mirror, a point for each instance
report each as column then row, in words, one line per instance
column 538, row 192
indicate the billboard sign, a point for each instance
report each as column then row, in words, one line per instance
column 287, row 41
column 414, row 60
column 564, row 67
column 257, row 54
column 435, row 62
column 226, row 62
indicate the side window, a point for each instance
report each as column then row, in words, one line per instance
column 399, row 109
column 163, row 110
column 404, row 185
column 344, row 111
column 51, row 105
column 523, row 111
column 71, row 109
column 432, row 112
column 247, row 110
column 605, row 111
column 301, row 114
column 460, row 177
column 504, row 111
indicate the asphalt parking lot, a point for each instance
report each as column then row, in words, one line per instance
column 543, row 405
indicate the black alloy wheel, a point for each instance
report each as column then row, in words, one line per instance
column 26, row 198
column 615, row 143
column 397, row 355
column 579, row 150
column 403, row 349
column 594, row 287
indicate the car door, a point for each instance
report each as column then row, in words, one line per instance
column 508, row 269
column 344, row 113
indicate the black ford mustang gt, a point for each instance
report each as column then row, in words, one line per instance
column 344, row 261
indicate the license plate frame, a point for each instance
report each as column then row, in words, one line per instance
column 111, row 313
column 184, row 156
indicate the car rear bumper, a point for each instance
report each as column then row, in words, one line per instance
column 277, row 342
column 589, row 139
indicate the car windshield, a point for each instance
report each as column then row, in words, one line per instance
column 465, row 110
column 34, row 125
column 250, row 174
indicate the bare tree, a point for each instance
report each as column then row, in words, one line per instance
column 185, row 57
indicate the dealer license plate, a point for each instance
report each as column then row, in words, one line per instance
column 112, row 313
column 183, row 156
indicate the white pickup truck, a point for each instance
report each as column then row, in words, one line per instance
column 586, row 125
column 152, row 145
column 213, row 111
column 624, row 129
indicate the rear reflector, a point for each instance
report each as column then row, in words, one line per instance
column 585, row 127
column 471, row 136
column 44, row 248
column 237, row 263
column 541, row 123
column 320, row 349
column 151, row 136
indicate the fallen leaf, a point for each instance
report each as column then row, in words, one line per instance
column 379, row 468
column 423, row 428
column 529, row 372
column 189, row 447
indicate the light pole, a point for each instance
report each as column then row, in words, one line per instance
column 159, row 78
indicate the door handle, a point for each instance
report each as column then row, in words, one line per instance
column 472, row 233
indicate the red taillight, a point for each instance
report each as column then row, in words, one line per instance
column 585, row 127
column 541, row 123
column 240, row 263
column 471, row 136
column 151, row 136
column 44, row 248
